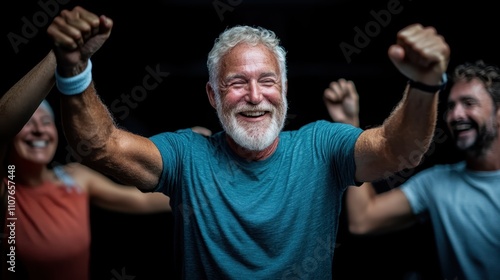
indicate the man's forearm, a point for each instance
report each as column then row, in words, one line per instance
column 410, row 128
column 87, row 123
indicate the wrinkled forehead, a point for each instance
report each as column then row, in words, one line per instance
column 250, row 58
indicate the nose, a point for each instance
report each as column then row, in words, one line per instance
column 456, row 113
column 254, row 95
column 38, row 127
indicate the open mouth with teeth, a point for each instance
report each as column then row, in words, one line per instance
column 461, row 129
column 253, row 114
column 38, row 143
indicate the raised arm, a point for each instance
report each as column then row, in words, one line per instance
column 107, row 194
column 342, row 102
column 422, row 56
column 88, row 124
column 19, row 103
column 367, row 211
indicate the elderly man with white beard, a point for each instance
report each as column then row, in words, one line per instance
column 251, row 201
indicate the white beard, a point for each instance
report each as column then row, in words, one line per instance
column 253, row 137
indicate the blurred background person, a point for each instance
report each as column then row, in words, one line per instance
column 461, row 200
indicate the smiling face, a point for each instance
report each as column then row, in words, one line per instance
column 471, row 117
column 36, row 143
column 251, row 104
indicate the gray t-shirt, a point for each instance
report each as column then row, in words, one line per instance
column 464, row 209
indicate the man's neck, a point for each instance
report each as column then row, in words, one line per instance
column 490, row 161
column 252, row 155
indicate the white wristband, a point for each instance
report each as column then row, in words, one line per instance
column 76, row 84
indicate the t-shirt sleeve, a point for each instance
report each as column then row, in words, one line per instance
column 171, row 146
column 416, row 189
column 341, row 139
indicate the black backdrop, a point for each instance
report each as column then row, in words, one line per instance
column 175, row 36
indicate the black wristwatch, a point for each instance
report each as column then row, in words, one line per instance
column 428, row 88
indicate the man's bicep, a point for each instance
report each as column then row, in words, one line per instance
column 135, row 160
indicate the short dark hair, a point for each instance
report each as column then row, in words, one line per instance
column 488, row 74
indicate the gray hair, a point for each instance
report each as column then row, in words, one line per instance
column 45, row 105
column 247, row 35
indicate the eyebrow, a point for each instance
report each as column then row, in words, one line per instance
column 237, row 76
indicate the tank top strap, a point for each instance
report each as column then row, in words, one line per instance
column 68, row 181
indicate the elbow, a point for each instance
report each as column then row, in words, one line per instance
column 95, row 149
column 355, row 229
column 91, row 155
column 403, row 159
column 92, row 144
column 412, row 160
column 358, row 228
column 406, row 153
column 412, row 155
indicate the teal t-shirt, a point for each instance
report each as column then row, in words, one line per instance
column 270, row 219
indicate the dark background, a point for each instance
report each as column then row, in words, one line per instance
column 176, row 37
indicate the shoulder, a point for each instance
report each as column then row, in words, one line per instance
column 172, row 136
column 75, row 169
column 78, row 173
column 327, row 126
column 184, row 139
column 444, row 169
column 330, row 132
column 425, row 180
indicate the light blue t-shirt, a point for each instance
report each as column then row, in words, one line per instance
column 464, row 209
column 270, row 219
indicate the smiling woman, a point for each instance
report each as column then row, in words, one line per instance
column 48, row 218
column 37, row 141
column 45, row 211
